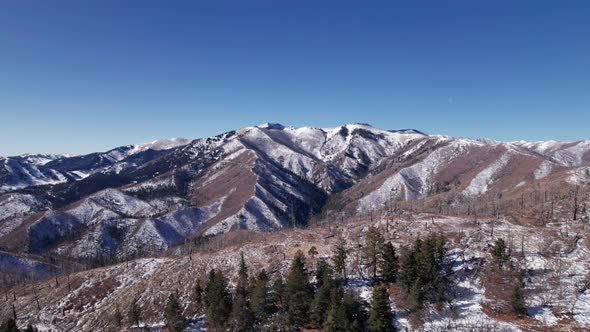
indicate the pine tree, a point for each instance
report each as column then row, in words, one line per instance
column 260, row 298
column 421, row 271
column 347, row 313
column 242, row 317
column 319, row 306
column 408, row 272
column 372, row 250
column 336, row 320
column 426, row 263
column 243, row 274
column 417, row 296
column 499, row 253
column 298, row 291
column 313, row 251
column 324, row 273
column 134, row 312
column 217, row 300
column 282, row 323
column 441, row 288
column 173, row 315
column 117, row 316
column 390, row 263
column 321, row 300
column 356, row 311
column 380, row 316
column 339, row 259
column 198, row 296
column 517, row 299
column 9, row 326
column 278, row 293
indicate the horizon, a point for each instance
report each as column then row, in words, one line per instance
column 87, row 77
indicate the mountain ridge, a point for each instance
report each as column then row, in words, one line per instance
column 147, row 198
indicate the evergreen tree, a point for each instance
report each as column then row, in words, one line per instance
column 372, row 249
column 517, row 299
column 298, row 291
column 117, row 316
column 441, row 287
column 9, row 326
column 417, row 296
column 173, row 315
column 278, row 293
column 282, row 323
column 217, row 300
column 421, row 272
column 347, row 313
column 390, row 263
column 198, row 296
column 321, row 300
column 499, row 253
column 339, row 259
column 313, row 251
column 324, row 273
column 380, row 316
column 251, row 286
column 319, row 305
column 242, row 317
column 408, row 272
column 356, row 311
column 134, row 312
column 336, row 320
column 243, row 274
column 260, row 298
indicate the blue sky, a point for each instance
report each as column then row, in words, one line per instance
column 82, row 76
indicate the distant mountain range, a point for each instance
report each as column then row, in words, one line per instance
column 152, row 196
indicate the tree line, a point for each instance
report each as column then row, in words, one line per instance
column 317, row 297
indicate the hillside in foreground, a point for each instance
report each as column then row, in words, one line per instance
column 552, row 263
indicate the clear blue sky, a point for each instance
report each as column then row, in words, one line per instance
column 81, row 76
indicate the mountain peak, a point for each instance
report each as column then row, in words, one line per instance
column 160, row 144
column 271, row 125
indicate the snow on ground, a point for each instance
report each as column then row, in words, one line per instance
column 14, row 208
column 154, row 184
column 160, row 144
column 79, row 175
column 543, row 170
column 563, row 153
column 572, row 155
column 23, row 174
column 480, row 183
column 544, row 315
column 579, row 176
column 414, row 179
column 152, row 279
column 466, row 314
column 22, row 265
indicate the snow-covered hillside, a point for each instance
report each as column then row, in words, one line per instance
column 39, row 169
column 148, row 197
column 555, row 265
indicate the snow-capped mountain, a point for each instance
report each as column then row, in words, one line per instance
column 46, row 169
column 149, row 197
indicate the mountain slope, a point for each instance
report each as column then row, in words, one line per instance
column 147, row 198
